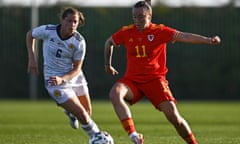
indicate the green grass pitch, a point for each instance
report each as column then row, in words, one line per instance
column 42, row 122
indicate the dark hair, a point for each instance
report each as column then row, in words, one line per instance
column 148, row 1
column 145, row 4
column 70, row 10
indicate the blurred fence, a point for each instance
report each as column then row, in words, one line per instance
column 195, row 71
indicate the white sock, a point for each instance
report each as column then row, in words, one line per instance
column 91, row 128
column 133, row 134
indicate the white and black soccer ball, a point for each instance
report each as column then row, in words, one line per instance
column 101, row 137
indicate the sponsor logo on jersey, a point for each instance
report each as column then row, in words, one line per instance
column 60, row 44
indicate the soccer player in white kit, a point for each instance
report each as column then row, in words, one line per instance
column 64, row 50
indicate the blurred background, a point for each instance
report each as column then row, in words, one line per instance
column 196, row 72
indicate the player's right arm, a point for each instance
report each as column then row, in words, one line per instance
column 108, row 51
column 40, row 32
column 32, row 63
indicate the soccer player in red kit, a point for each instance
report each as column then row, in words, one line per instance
column 145, row 44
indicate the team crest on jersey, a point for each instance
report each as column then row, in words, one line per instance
column 150, row 37
column 57, row 93
column 71, row 46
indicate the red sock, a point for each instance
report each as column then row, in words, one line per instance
column 128, row 125
column 190, row 139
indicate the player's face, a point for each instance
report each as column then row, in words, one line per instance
column 141, row 17
column 70, row 23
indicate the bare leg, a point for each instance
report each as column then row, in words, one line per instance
column 118, row 94
column 86, row 102
column 170, row 110
column 74, row 106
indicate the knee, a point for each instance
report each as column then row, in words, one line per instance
column 114, row 96
column 171, row 113
column 116, row 93
column 119, row 93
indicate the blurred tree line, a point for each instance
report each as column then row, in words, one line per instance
column 198, row 72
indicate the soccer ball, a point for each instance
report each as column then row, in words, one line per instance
column 101, row 137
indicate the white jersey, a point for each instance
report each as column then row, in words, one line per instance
column 59, row 54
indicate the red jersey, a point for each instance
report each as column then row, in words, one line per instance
column 146, row 51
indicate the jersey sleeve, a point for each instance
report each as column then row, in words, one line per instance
column 118, row 37
column 80, row 52
column 41, row 32
column 168, row 33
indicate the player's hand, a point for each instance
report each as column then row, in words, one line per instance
column 215, row 40
column 55, row 80
column 111, row 70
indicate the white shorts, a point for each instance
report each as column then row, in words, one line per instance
column 62, row 93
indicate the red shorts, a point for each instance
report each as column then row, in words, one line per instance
column 156, row 91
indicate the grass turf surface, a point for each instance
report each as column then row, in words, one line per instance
column 42, row 122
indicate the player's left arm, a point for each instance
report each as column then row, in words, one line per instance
column 57, row 80
column 195, row 38
column 77, row 66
